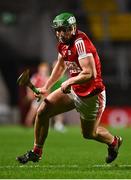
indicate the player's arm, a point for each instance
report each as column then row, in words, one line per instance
column 88, row 72
column 57, row 72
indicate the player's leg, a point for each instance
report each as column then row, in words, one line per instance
column 54, row 104
column 91, row 130
column 91, row 110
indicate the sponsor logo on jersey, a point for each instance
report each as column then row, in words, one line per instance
column 72, row 67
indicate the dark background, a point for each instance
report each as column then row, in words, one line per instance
column 26, row 39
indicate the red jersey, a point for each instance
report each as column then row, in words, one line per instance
column 81, row 47
column 38, row 80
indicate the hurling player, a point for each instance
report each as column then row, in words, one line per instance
column 84, row 90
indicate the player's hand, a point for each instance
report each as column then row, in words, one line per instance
column 43, row 93
column 65, row 87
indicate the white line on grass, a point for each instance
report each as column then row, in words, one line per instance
column 39, row 166
column 113, row 165
column 65, row 166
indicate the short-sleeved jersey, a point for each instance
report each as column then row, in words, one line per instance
column 81, row 47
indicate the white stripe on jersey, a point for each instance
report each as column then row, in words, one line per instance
column 80, row 46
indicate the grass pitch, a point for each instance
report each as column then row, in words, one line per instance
column 66, row 156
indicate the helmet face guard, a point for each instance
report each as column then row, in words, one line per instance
column 63, row 28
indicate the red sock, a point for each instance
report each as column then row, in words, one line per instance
column 37, row 150
column 114, row 141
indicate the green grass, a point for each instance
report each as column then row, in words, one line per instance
column 66, row 155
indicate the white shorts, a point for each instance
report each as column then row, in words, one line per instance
column 90, row 108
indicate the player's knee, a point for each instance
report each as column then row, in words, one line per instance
column 40, row 114
column 43, row 111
